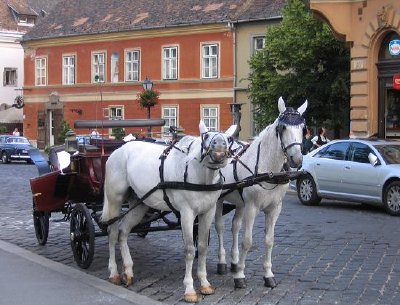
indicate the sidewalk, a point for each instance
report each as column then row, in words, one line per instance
column 29, row 279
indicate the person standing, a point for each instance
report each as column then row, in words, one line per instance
column 320, row 139
column 16, row 132
column 307, row 143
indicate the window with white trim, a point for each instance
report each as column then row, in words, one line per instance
column 170, row 115
column 116, row 113
column 132, row 58
column 68, row 70
column 170, row 63
column 258, row 43
column 41, row 71
column 209, row 115
column 10, row 77
column 98, row 67
column 209, row 66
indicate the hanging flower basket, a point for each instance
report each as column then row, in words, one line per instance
column 148, row 98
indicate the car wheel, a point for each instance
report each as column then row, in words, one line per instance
column 391, row 198
column 307, row 191
column 4, row 158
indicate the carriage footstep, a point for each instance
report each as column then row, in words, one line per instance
column 221, row 268
column 207, row 290
column 240, row 283
column 116, row 280
column 269, row 282
column 191, row 297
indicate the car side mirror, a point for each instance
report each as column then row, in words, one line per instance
column 373, row 159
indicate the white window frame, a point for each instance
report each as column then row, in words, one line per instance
column 12, row 79
column 209, row 60
column 116, row 112
column 130, row 66
column 41, row 71
column 69, row 71
column 207, row 117
column 169, row 118
column 170, row 62
column 99, row 68
column 254, row 43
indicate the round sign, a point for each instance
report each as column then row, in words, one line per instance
column 394, row 47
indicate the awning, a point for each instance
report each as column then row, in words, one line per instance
column 11, row 115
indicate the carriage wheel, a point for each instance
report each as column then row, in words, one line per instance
column 41, row 224
column 82, row 235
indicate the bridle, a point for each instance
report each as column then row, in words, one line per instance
column 290, row 117
column 207, row 151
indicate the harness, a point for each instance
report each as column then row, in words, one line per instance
column 290, row 117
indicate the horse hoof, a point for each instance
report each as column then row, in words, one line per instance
column 207, row 290
column 234, row 268
column 191, row 297
column 116, row 280
column 240, row 283
column 221, row 268
column 128, row 281
column 269, row 282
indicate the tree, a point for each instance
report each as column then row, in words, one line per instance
column 301, row 60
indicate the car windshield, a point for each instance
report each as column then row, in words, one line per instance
column 390, row 153
column 17, row 141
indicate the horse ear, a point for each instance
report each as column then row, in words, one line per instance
column 302, row 108
column 231, row 130
column 281, row 105
column 202, row 127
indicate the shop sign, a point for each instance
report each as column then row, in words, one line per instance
column 394, row 47
column 396, row 82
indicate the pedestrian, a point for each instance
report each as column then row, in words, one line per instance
column 16, row 132
column 307, row 143
column 320, row 139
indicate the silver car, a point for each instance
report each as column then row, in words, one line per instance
column 366, row 171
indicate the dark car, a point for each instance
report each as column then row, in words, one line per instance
column 15, row 148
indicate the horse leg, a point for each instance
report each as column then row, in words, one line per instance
column 128, row 222
column 249, row 217
column 112, row 264
column 187, row 222
column 236, row 225
column 271, row 217
column 205, row 221
column 220, row 228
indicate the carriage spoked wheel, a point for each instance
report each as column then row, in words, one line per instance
column 82, row 235
column 41, row 224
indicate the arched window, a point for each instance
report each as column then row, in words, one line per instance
column 384, row 53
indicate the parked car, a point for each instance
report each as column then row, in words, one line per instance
column 366, row 171
column 15, row 148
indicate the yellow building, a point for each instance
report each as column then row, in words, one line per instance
column 372, row 30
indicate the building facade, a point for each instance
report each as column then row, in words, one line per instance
column 90, row 63
column 372, row 30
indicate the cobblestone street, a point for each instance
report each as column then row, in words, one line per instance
column 331, row 254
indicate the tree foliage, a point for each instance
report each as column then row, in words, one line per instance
column 301, row 60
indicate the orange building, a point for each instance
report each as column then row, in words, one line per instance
column 90, row 63
column 372, row 30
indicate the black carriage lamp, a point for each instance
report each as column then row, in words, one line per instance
column 71, row 143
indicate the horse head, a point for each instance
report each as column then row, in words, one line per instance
column 215, row 147
column 289, row 130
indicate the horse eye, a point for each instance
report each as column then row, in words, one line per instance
column 206, row 136
column 230, row 140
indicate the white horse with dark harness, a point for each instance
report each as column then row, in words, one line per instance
column 184, row 178
column 277, row 144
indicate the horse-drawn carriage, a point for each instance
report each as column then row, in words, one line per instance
column 185, row 179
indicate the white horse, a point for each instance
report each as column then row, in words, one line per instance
column 278, row 143
column 141, row 166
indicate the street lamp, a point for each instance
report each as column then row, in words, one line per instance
column 147, row 84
